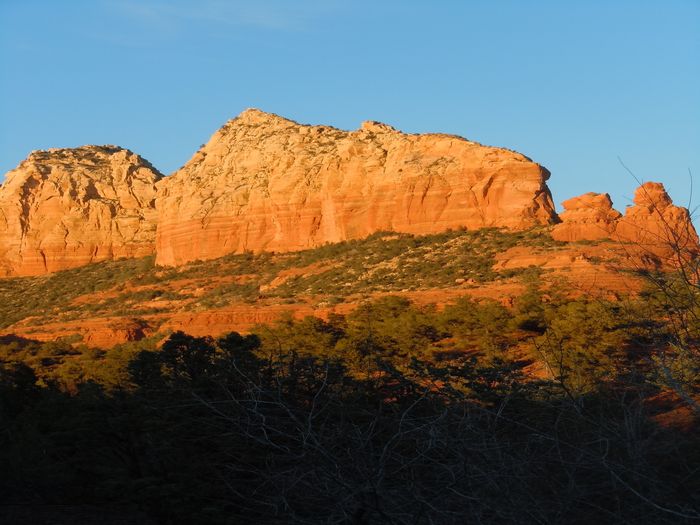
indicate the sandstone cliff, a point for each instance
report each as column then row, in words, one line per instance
column 63, row 208
column 586, row 217
column 653, row 223
column 267, row 183
column 655, row 220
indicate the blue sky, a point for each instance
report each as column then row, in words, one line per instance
column 572, row 85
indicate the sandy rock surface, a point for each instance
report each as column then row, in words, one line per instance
column 63, row 208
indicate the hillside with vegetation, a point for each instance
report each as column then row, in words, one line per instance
column 86, row 303
column 552, row 404
column 166, row 357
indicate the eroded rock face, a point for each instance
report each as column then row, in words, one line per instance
column 653, row 224
column 63, row 208
column 586, row 217
column 655, row 221
column 267, row 183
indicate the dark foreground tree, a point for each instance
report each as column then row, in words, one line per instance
column 223, row 431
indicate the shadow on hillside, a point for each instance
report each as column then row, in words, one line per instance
column 219, row 432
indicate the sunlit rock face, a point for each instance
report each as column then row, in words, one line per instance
column 63, row 208
column 655, row 224
column 652, row 225
column 587, row 217
column 265, row 183
column 655, row 220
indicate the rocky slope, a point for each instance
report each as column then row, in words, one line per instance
column 63, row 208
column 267, row 183
column 117, row 301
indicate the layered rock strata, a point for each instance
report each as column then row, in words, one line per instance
column 587, row 217
column 654, row 220
column 265, row 183
column 63, row 208
column 653, row 223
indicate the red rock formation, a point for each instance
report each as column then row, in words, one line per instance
column 652, row 226
column 659, row 232
column 113, row 332
column 267, row 183
column 655, row 221
column 96, row 332
column 63, row 208
column 587, row 217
